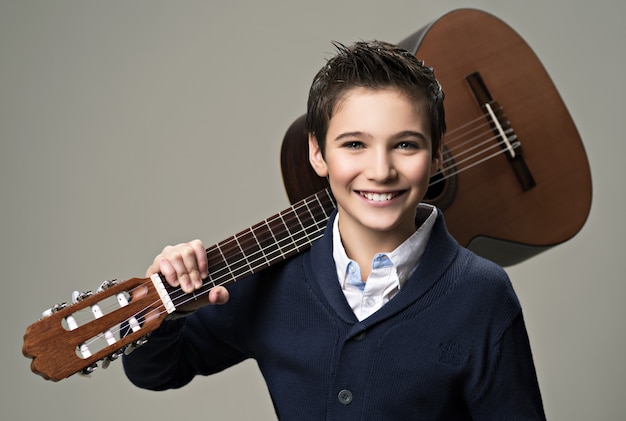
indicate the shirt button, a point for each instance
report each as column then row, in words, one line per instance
column 369, row 302
column 345, row 397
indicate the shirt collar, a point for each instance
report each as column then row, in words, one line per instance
column 405, row 257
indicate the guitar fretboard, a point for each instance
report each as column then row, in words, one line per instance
column 270, row 241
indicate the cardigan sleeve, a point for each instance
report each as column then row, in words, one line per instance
column 181, row 349
column 510, row 390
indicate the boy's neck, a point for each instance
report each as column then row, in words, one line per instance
column 362, row 245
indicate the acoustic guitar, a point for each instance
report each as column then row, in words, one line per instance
column 515, row 181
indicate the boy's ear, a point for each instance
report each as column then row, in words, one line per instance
column 437, row 161
column 316, row 158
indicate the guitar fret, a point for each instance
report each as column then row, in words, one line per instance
column 331, row 201
column 243, row 252
column 240, row 271
column 218, row 265
column 260, row 247
column 234, row 257
column 298, row 233
column 304, row 227
column 289, row 233
column 312, row 227
column 252, row 249
column 279, row 235
column 267, row 240
column 276, row 242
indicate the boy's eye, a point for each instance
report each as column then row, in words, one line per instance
column 354, row 144
column 407, row 145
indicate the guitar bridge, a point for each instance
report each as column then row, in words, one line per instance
column 502, row 129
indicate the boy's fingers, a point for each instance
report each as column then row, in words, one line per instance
column 218, row 295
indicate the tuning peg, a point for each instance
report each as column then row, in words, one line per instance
column 88, row 370
column 79, row 296
column 54, row 309
column 114, row 356
column 106, row 284
column 135, row 344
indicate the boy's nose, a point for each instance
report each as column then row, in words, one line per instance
column 381, row 168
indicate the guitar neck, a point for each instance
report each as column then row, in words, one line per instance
column 268, row 242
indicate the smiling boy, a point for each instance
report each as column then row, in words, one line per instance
column 378, row 160
column 386, row 317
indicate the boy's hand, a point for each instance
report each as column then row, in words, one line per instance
column 185, row 265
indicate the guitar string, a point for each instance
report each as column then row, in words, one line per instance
column 475, row 133
column 476, row 159
column 483, row 119
column 463, row 128
column 451, row 144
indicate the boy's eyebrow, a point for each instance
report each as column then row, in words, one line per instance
column 400, row 135
column 410, row 133
column 352, row 134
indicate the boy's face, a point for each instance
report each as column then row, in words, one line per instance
column 378, row 161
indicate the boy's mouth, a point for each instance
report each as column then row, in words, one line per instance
column 379, row 197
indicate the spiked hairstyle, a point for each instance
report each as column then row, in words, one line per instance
column 373, row 65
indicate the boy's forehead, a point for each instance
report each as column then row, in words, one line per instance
column 360, row 92
column 362, row 109
column 356, row 96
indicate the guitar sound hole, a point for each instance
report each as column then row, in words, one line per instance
column 436, row 187
column 442, row 187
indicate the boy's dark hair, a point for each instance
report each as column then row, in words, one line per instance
column 373, row 65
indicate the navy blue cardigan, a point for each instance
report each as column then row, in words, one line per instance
column 451, row 345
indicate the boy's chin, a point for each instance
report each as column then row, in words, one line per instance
column 379, row 224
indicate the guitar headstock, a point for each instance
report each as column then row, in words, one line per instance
column 73, row 338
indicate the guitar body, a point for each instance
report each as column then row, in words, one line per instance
column 486, row 206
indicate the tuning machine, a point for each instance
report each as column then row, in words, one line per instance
column 54, row 309
column 135, row 344
column 86, row 372
column 114, row 356
column 78, row 296
column 107, row 284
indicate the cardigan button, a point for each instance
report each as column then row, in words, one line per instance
column 345, row 397
column 359, row 336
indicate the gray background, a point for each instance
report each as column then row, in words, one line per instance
column 128, row 125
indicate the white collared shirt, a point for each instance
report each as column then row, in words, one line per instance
column 390, row 271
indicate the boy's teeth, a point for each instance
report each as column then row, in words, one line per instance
column 378, row 197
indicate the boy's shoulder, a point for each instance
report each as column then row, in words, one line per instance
column 465, row 263
column 480, row 270
column 482, row 281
